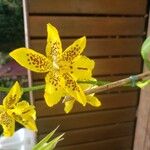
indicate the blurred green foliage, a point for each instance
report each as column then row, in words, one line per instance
column 11, row 25
column 11, row 37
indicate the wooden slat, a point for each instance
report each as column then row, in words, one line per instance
column 95, row 134
column 117, row 66
column 138, row 7
column 99, row 47
column 112, row 125
column 104, row 78
column 109, row 101
column 39, row 94
column 105, row 66
column 142, row 132
column 142, row 135
column 85, row 120
column 89, row 26
column 122, row 143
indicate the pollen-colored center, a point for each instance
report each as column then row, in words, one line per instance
column 65, row 67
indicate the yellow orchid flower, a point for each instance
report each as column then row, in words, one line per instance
column 90, row 99
column 12, row 111
column 63, row 68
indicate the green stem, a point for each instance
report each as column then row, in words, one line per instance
column 40, row 87
column 4, row 89
column 34, row 88
column 27, row 89
column 99, row 82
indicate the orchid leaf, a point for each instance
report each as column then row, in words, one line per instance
column 142, row 84
column 52, row 144
column 145, row 52
column 43, row 142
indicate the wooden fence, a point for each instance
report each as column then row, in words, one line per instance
column 115, row 31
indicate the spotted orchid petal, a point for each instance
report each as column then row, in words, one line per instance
column 31, row 60
column 7, row 122
column 24, row 114
column 53, row 47
column 82, row 68
column 92, row 100
column 27, row 122
column 73, row 89
column 74, row 50
column 69, row 105
column 13, row 96
column 25, row 109
column 12, row 111
column 54, row 88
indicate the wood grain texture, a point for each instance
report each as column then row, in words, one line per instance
column 122, row 143
column 98, row 47
column 109, row 101
column 85, row 120
column 38, row 95
column 89, row 26
column 114, row 31
column 109, row 77
column 117, row 66
column 79, row 136
column 142, row 132
column 138, row 7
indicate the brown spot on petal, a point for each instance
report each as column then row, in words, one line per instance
column 72, row 53
column 54, row 79
column 10, row 101
column 55, row 47
column 70, row 83
column 5, row 119
column 38, row 62
column 81, row 68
